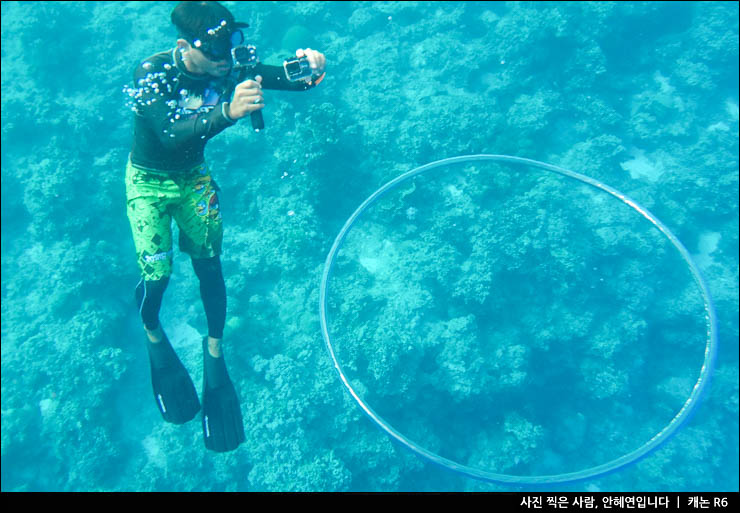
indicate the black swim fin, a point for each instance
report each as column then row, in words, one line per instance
column 223, row 426
column 174, row 391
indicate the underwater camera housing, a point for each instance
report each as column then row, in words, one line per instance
column 297, row 68
column 244, row 56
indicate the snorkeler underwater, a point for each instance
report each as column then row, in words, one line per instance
column 370, row 246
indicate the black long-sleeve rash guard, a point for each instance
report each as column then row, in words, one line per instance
column 177, row 112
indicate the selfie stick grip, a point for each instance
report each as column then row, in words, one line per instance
column 257, row 122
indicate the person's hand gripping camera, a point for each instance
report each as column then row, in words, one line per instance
column 307, row 66
column 247, row 99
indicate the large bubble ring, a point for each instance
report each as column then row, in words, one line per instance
column 689, row 406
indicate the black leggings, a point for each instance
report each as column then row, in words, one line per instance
column 212, row 293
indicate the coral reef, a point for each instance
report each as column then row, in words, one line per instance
column 505, row 318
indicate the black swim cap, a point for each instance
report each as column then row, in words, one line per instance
column 207, row 21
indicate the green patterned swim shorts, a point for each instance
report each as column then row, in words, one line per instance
column 154, row 198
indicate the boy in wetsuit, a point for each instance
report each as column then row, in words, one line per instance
column 181, row 99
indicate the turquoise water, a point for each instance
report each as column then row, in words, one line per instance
column 503, row 317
